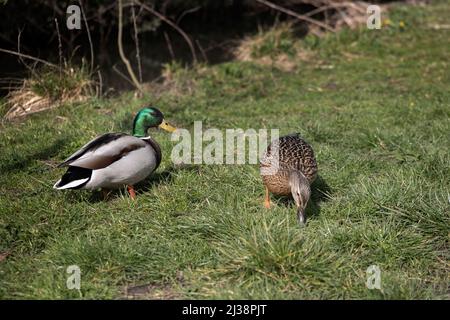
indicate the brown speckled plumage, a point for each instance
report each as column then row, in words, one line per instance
column 294, row 154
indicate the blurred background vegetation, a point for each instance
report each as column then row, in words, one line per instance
column 215, row 28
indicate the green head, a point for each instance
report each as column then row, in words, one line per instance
column 149, row 117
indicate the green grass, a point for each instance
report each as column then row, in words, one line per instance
column 375, row 105
column 58, row 84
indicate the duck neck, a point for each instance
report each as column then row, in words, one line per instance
column 139, row 129
column 298, row 181
column 301, row 191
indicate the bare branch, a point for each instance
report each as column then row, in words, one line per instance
column 187, row 12
column 29, row 57
column 59, row 47
column 136, row 39
column 100, row 85
column 123, row 75
column 205, row 58
column 31, row 69
column 169, row 45
column 121, row 52
column 89, row 36
column 173, row 25
column 296, row 15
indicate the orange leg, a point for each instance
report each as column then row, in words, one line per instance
column 267, row 199
column 131, row 192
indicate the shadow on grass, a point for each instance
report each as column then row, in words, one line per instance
column 155, row 179
column 44, row 154
column 163, row 177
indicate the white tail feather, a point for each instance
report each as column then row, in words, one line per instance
column 71, row 184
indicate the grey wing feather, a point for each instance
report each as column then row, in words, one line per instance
column 104, row 150
column 90, row 146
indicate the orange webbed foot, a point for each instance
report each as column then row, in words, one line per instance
column 267, row 199
column 131, row 192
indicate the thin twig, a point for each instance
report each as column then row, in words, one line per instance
column 319, row 10
column 10, row 88
column 59, row 47
column 136, row 39
column 100, row 85
column 334, row 6
column 205, row 58
column 345, row 18
column 11, row 79
column 31, row 69
column 187, row 12
column 125, row 60
column 29, row 57
column 173, row 25
column 169, row 45
column 123, row 76
column 296, row 15
column 89, row 36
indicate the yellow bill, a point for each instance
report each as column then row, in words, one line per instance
column 164, row 125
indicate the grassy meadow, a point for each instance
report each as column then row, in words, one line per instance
column 375, row 106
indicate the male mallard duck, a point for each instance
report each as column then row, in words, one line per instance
column 291, row 170
column 113, row 160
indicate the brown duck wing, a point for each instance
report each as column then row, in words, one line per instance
column 294, row 154
column 103, row 151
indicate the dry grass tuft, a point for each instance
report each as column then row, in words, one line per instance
column 276, row 47
column 176, row 80
column 47, row 89
column 342, row 14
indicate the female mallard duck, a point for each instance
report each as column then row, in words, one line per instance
column 113, row 160
column 289, row 167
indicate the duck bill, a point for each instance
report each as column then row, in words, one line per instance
column 165, row 126
column 301, row 216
